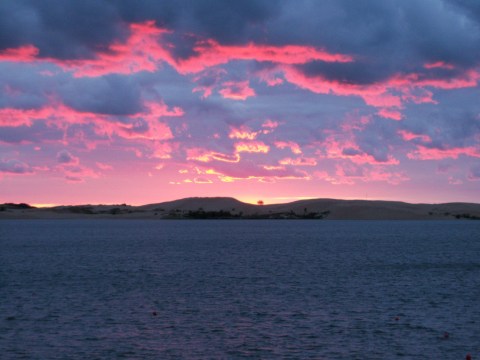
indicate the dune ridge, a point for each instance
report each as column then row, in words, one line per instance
column 231, row 208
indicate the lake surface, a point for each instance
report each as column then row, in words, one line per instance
column 104, row 289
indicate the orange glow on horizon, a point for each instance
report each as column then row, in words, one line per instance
column 44, row 205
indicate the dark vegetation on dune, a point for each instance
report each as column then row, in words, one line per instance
column 12, row 206
column 223, row 214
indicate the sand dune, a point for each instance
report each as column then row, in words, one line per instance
column 225, row 207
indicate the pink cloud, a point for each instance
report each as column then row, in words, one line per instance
column 145, row 49
column 439, row 65
column 413, row 80
column 208, row 80
column 349, row 174
column 344, row 147
column 11, row 117
column 273, row 167
column 70, row 166
column 293, row 146
column 390, row 114
column 211, row 53
column 355, row 122
column 142, row 51
column 374, row 95
column 418, row 95
column 235, row 158
column 26, row 53
column 242, row 132
column 236, row 90
column 78, row 173
column 251, row 171
column 424, row 153
column 206, row 156
column 54, row 114
column 394, row 178
column 324, row 175
column 408, row 136
column 301, row 161
column 271, row 78
column 251, row 147
column 270, row 124
column 156, row 130
column 61, row 116
column 202, row 180
column 468, row 79
column 205, row 90
column 157, row 109
column 162, row 150
column 203, row 155
column 387, row 95
column 370, row 159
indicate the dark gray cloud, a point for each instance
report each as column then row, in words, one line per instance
column 22, row 87
column 228, row 21
column 470, row 8
column 339, row 25
column 111, row 94
column 76, row 29
column 378, row 138
column 61, row 29
column 38, row 132
column 446, row 126
column 13, row 166
column 351, row 152
column 64, row 157
column 359, row 72
column 386, row 37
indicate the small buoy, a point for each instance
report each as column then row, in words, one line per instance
column 468, row 357
column 154, row 313
column 446, row 335
column 397, row 318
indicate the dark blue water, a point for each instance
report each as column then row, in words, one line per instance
column 239, row 289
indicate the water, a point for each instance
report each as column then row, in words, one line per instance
column 239, row 289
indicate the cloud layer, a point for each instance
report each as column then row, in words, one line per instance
column 248, row 99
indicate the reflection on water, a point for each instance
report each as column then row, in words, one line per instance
column 232, row 289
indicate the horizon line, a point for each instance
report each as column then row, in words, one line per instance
column 255, row 203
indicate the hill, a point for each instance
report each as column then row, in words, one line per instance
column 230, row 208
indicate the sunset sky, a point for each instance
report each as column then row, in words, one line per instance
column 146, row 101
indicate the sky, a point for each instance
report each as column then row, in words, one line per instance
column 138, row 102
